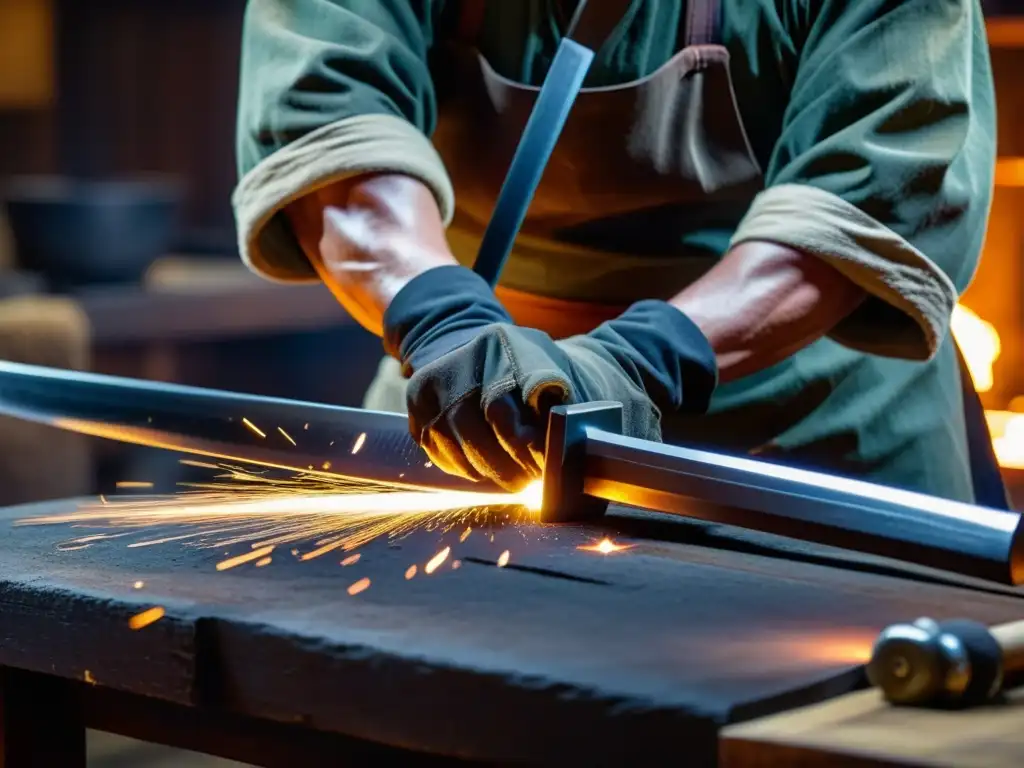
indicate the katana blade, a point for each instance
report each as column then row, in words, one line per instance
column 325, row 440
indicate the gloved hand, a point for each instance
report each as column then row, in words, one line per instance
column 480, row 388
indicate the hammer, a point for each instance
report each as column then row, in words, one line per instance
column 949, row 664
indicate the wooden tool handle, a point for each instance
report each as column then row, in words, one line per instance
column 1010, row 638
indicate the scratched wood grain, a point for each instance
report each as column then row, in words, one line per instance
column 562, row 654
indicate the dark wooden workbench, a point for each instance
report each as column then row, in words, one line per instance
column 564, row 655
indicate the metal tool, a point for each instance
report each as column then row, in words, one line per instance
column 948, row 664
column 554, row 101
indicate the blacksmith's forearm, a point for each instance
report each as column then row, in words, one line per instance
column 367, row 237
column 762, row 302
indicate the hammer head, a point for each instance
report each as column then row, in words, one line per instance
column 919, row 664
column 565, row 459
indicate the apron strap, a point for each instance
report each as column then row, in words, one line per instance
column 591, row 23
column 703, row 22
column 989, row 489
column 471, row 21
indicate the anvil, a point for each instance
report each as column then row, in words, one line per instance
column 589, row 463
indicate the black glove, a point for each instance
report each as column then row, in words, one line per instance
column 480, row 387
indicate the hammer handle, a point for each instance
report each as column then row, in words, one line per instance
column 1010, row 638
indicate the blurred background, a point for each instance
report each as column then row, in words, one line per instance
column 118, row 254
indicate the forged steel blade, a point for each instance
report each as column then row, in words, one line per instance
column 325, row 440
column 589, row 463
column 812, row 506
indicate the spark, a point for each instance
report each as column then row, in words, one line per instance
column 263, row 561
column 87, row 676
column 132, row 484
column 436, row 560
column 456, row 564
column 410, row 572
column 360, row 586
column 139, row 584
column 262, row 510
column 359, row 443
column 200, row 464
column 465, row 534
column 248, row 557
column 326, row 465
column 253, row 428
column 351, row 559
column 503, row 559
column 287, row 436
column 605, row 547
column 147, row 617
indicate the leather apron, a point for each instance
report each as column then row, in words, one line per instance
column 637, row 166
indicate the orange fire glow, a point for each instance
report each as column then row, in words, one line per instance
column 981, row 346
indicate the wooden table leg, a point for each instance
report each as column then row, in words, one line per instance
column 40, row 722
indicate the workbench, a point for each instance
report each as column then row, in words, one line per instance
column 561, row 656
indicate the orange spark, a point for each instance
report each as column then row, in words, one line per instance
column 351, row 559
column 360, row 586
column 253, row 428
column 200, row 464
column 248, row 557
column 261, row 510
column 410, row 572
column 605, row 547
column 133, row 484
column 287, row 436
column 147, row 617
column 327, row 465
column 89, row 678
column 503, row 559
column 359, row 443
column 264, row 561
column 436, row 560
column 465, row 535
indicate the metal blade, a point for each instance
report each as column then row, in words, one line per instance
column 812, row 506
column 322, row 439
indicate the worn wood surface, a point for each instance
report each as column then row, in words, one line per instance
column 562, row 655
column 861, row 729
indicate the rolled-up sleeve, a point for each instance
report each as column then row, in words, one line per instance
column 329, row 89
column 885, row 162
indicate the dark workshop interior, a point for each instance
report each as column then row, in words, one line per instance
column 118, row 251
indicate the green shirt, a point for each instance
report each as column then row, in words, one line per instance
column 873, row 122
